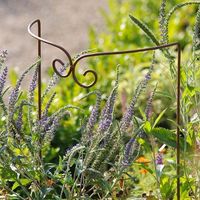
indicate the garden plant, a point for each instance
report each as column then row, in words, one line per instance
column 108, row 145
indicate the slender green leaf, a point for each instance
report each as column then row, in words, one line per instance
column 159, row 117
column 146, row 29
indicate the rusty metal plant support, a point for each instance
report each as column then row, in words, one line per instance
column 72, row 67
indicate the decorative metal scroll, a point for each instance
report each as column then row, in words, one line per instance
column 72, row 67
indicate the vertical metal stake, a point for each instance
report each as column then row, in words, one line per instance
column 39, row 86
column 178, row 122
column 39, row 72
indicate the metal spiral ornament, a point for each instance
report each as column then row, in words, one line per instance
column 72, row 66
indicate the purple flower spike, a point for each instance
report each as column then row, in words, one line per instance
column 33, row 83
column 127, row 118
column 131, row 152
column 94, row 114
column 3, row 79
column 159, row 159
column 15, row 92
column 20, row 116
column 45, row 113
column 148, row 109
column 107, row 113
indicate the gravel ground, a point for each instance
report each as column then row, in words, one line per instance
column 65, row 22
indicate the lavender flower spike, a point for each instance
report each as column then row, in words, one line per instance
column 31, row 90
column 3, row 79
column 48, row 105
column 107, row 113
column 33, row 84
column 126, row 119
column 20, row 115
column 51, row 126
column 94, row 114
column 149, row 104
column 14, row 94
column 131, row 152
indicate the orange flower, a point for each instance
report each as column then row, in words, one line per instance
column 143, row 171
column 143, row 160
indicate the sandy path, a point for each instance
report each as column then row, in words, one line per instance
column 64, row 21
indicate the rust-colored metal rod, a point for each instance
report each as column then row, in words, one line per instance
column 178, row 121
column 39, row 72
column 109, row 53
column 124, row 52
column 39, row 85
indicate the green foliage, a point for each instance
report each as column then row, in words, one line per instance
column 146, row 29
column 102, row 156
column 25, row 140
column 176, row 22
column 90, row 169
column 120, row 149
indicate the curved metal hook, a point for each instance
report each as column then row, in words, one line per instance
column 59, row 61
column 84, row 74
column 52, row 44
